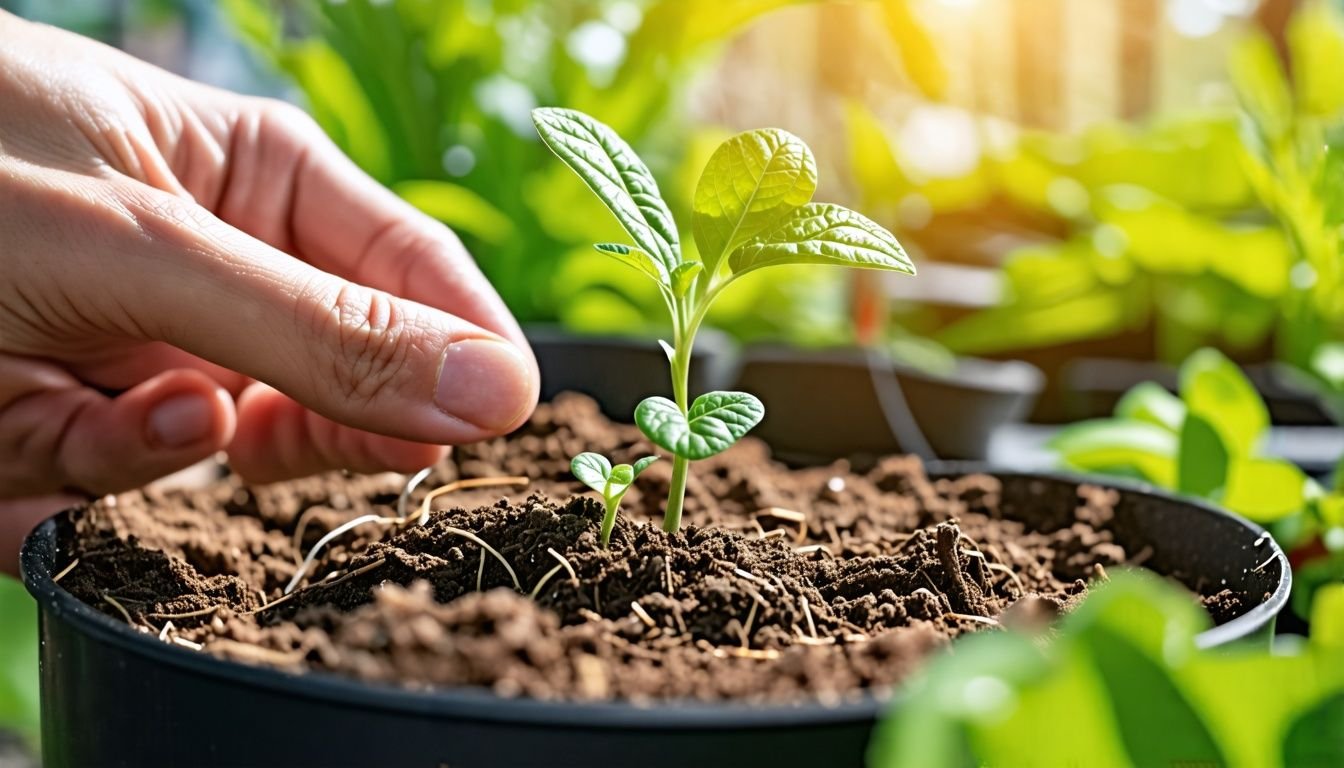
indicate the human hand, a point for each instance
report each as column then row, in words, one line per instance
column 167, row 247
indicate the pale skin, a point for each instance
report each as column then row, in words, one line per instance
column 185, row 270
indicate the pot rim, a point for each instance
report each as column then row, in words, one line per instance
column 38, row 556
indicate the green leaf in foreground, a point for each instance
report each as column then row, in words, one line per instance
column 823, row 233
column 616, row 175
column 1202, row 464
column 751, row 183
column 714, row 422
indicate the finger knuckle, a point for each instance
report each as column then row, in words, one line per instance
column 372, row 341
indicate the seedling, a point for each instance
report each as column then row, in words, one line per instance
column 752, row 209
column 597, row 473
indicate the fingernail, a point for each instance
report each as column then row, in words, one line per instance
column 485, row 383
column 179, row 421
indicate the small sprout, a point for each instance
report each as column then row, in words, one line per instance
column 752, row 209
column 594, row 471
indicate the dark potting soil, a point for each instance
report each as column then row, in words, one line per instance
column 783, row 584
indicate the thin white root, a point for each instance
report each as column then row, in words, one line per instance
column 265, row 605
column 477, row 482
column 185, row 643
column 973, row 617
column 66, row 570
column 480, row 570
column 536, row 590
column 642, row 614
column 457, row 485
column 1262, row 566
column 746, row 628
column 468, row 535
column 120, row 608
column 807, row 613
column 188, row 615
column 1001, row 568
column 563, row 561
column 163, row 633
column 322, row 542
column 754, row 578
column 406, row 492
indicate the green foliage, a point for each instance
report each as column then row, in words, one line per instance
column 596, row 472
column 1121, row 684
column 752, row 210
column 18, row 660
column 752, row 182
column 431, row 97
column 1204, row 443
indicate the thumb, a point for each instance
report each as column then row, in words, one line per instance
column 356, row 355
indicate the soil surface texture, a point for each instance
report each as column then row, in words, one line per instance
column 784, row 585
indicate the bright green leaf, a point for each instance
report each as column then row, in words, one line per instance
column 643, row 464
column 592, row 469
column 1327, row 617
column 622, row 475
column 1316, row 737
column 1216, row 390
column 1108, row 445
column 459, row 208
column 751, row 183
column 636, row 258
column 1202, row 463
column 1264, row 489
column 714, row 422
column 1263, row 90
column 616, row 175
column 1151, row 403
column 683, row 277
column 823, row 233
column 1156, row 722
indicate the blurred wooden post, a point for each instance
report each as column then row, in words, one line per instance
column 1037, row 26
column 1139, row 20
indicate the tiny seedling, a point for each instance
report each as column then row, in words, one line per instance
column 597, row 473
column 752, row 209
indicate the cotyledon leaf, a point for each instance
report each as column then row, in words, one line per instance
column 823, row 233
column 750, row 184
column 592, row 469
column 714, row 422
column 616, row 175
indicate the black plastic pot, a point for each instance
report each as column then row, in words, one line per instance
column 114, row 696
column 828, row 404
column 618, row 371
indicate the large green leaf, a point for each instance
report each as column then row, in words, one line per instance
column 1316, row 737
column 714, row 422
column 751, row 183
column 1152, row 403
column 616, row 175
column 1264, row 489
column 1129, row 447
column 1202, row 463
column 823, row 233
column 1216, row 390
